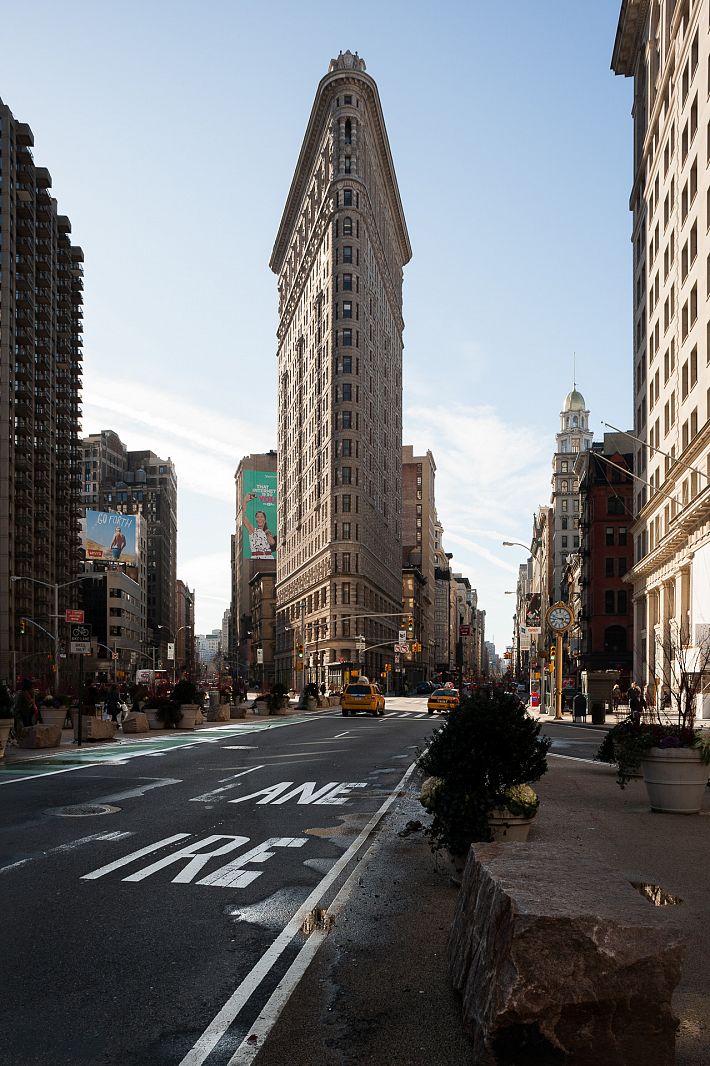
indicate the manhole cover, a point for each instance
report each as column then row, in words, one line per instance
column 83, row 810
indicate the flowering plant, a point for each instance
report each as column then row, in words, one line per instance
column 521, row 800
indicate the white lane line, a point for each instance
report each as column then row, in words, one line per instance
column 390, row 714
column 424, row 714
column 207, row 796
column 139, row 790
column 576, row 758
column 339, row 735
column 225, row 1017
column 405, row 715
column 70, row 846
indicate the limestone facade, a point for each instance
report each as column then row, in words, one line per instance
column 339, row 256
column 665, row 47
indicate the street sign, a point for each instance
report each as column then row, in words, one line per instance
column 402, row 647
column 465, row 630
column 73, row 616
column 396, row 660
column 260, row 656
column 171, row 652
column 80, row 647
column 114, row 655
column 80, row 632
column 402, row 635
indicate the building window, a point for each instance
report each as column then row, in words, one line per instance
column 614, row 505
column 347, row 309
column 564, row 542
column 348, row 164
column 347, row 364
column 346, row 563
column 622, row 535
column 564, row 466
column 345, row 591
column 609, row 538
column 609, row 566
column 609, row 602
column 565, row 506
column 347, row 393
column 347, row 253
column 347, row 338
column 347, row 282
column 621, row 601
column 347, row 198
column 348, row 132
column 564, row 486
column 345, row 500
column 623, row 566
column 346, row 531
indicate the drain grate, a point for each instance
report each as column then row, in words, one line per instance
column 655, row 894
column 83, row 810
column 318, row 919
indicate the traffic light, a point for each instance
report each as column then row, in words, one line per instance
column 299, row 651
column 552, row 660
column 22, row 627
column 410, row 625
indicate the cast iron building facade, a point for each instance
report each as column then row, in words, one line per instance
column 339, row 256
column 40, row 384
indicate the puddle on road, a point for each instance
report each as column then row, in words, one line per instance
column 655, row 894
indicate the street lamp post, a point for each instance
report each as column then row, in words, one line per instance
column 56, row 588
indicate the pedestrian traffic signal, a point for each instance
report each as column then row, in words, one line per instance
column 22, row 627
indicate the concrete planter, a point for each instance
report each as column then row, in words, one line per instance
column 136, row 722
column 281, row 707
column 261, row 707
column 334, row 701
column 151, row 714
column 219, row 713
column 238, row 710
column 191, row 712
column 53, row 716
column 675, row 780
column 506, row 827
column 5, row 727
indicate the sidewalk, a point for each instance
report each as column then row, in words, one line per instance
column 377, row 992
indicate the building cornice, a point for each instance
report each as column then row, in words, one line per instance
column 628, row 32
column 329, row 86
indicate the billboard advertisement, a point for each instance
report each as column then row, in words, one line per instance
column 258, row 515
column 111, row 537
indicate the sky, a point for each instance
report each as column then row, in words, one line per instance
column 172, row 129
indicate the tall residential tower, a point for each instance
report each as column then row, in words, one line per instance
column 339, row 256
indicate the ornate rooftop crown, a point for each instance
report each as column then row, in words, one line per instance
column 347, row 61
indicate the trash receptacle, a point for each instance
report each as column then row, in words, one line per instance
column 579, row 707
column 598, row 713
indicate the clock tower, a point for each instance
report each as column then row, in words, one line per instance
column 574, row 436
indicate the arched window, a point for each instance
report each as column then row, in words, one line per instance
column 575, row 421
column 615, row 639
column 347, row 227
column 564, row 486
column 348, row 131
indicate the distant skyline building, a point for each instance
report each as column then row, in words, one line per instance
column 339, row 256
column 139, row 482
column 574, row 436
column 40, row 389
column 419, row 552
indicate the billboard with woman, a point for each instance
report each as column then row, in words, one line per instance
column 258, row 515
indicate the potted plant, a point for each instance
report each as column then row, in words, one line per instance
column 663, row 743
column 479, row 754
column 278, row 699
column 513, row 818
column 54, row 710
column 261, row 703
column 156, row 711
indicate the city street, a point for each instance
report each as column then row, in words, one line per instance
column 154, row 891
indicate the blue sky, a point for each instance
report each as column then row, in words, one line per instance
column 171, row 131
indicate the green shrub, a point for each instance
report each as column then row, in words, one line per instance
column 485, row 747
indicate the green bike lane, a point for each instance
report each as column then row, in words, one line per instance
column 20, row 767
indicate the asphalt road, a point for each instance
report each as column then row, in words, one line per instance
column 572, row 741
column 155, row 932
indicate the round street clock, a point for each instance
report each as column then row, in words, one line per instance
column 559, row 617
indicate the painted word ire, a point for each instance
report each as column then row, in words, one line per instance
column 192, row 858
column 333, row 793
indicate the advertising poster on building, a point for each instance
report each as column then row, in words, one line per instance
column 258, row 515
column 532, row 616
column 111, row 537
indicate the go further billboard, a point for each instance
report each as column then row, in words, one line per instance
column 111, row 537
column 258, row 514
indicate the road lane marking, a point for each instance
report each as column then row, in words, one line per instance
column 207, row 796
column 103, row 870
column 226, row 1016
column 233, row 875
column 339, row 735
column 192, row 852
column 139, row 790
column 390, row 714
column 333, row 792
column 576, row 758
column 71, row 845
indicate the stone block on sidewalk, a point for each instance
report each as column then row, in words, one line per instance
column 559, row 959
column 40, row 736
column 218, row 714
column 135, row 723
column 93, row 728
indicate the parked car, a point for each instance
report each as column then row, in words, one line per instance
column 362, row 696
column 443, row 699
column 425, row 688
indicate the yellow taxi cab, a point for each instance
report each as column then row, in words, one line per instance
column 443, row 699
column 362, row 695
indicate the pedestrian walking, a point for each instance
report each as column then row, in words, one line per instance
column 24, row 707
column 616, row 697
column 113, row 704
column 636, row 703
